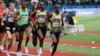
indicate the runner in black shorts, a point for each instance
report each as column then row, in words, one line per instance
column 2, row 24
column 40, row 26
column 10, row 26
column 34, row 21
column 56, row 25
column 23, row 26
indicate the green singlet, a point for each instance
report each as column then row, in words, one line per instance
column 24, row 17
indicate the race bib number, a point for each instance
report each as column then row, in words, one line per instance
column 25, row 17
column 10, row 20
column 41, row 19
column 56, row 23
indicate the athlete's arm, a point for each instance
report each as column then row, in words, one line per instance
column 17, row 15
column 30, row 20
column 2, row 17
column 34, row 17
column 49, row 17
column 62, row 20
column 47, row 21
column 2, row 23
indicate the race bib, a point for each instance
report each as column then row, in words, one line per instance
column 25, row 17
column 41, row 19
column 56, row 23
column 10, row 20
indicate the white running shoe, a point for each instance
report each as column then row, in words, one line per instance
column 26, row 50
column 39, row 54
column 19, row 54
column 51, row 49
column 8, row 54
column 1, row 48
column 40, row 50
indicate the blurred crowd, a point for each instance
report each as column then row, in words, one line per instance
column 63, row 2
column 73, row 2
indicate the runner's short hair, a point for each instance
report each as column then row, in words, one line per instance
column 57, row 5
column 2, row 3
column 12, row 3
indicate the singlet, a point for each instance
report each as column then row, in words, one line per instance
column 2, row 12
column 24, row 17
column 11, row 16
column 56, row 20
column 41, row 16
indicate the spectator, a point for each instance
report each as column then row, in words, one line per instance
column 63, row 2
column 54, row 1
column 99, row 2
column 18, row 2
column 66, row 2
column 41, row 0
column 28, row 1
column 91, row 2
column 59, row 1
column 82, row 2
column 70, row 2
column 34, row 4
column 96, row 2
column 87, row 2
column 77, row 2
column 49, row 2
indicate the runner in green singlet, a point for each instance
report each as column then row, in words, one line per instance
column 23, row 26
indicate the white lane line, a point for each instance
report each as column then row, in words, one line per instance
column 64, row 44
column 16, row 53
column 93, row 47
column 79, row 45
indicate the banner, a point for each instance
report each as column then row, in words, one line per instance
column 83, row 11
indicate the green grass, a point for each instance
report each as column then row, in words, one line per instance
column 71, row 49
column 91, row 23
column 82, row 38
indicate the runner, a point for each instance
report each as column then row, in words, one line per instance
column 56, row 25
column 2, row 24
column 35, row 7
column 40, row 26
column 23, row 23
column 10, row 26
